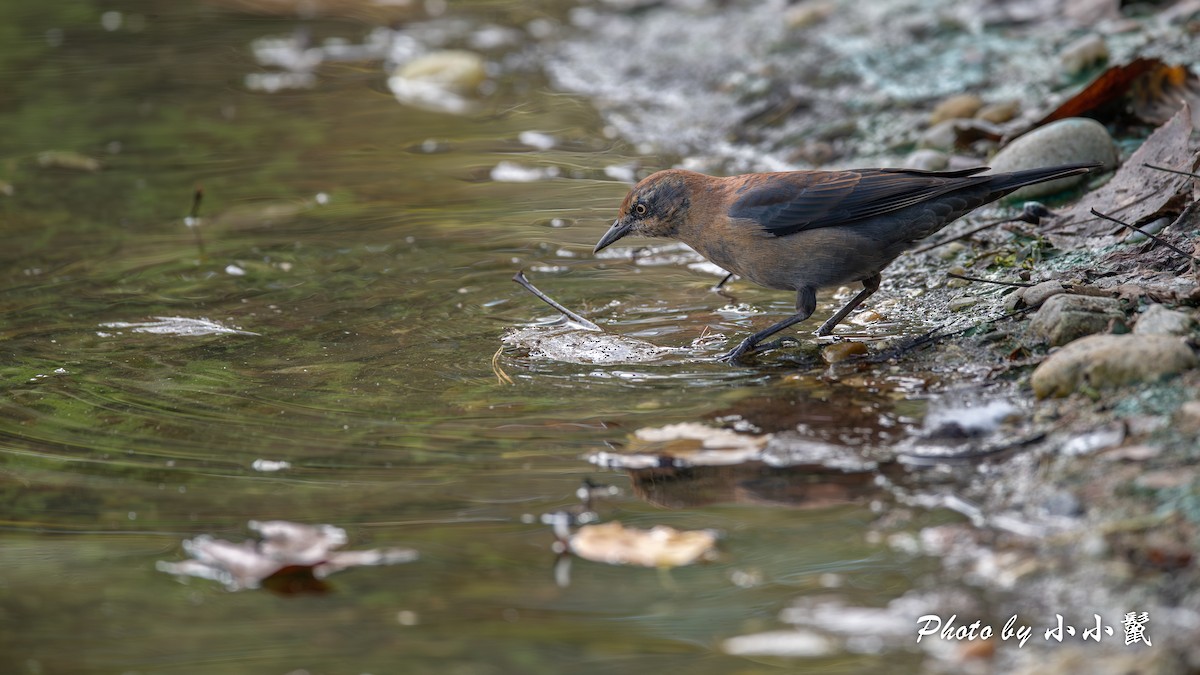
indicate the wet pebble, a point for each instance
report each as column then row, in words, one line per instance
column 999, row 112
column 955, row 281
column 866, row 317
column 927, row 159
column 1064, row 318
column 1062, row 504
column 1095, row 440
column 1188, row 416
column 940, row 136
column 840, row 351
column 1083, row 53
column 950, row 252
column 808, row 14
column 1153, row 227
column 1158, row 320
column 959, row 304
column 1072, row 140
column 1105, row 361
column 962, row 106
column 1034, row 296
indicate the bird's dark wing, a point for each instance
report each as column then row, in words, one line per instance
column 785, row 203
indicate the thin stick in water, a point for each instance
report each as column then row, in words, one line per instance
column 520, row 279
column 193, row 219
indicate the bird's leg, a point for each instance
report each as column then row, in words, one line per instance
column 870, row 285
column 806, row 304
column 722, row 282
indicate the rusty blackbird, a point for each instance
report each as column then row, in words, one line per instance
column 805, row 230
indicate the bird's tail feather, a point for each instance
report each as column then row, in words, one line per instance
column 1004, row 183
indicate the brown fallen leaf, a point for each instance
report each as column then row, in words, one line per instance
column 660, row 546
column 1146, row 88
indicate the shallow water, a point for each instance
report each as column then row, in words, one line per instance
column 366, row 256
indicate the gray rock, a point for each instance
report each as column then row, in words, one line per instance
column 1093, row 441
column 1064, row 318
column 1188, row 416
column 1076, row 139
column 1035, row 296
column 941, row 136
column 927, row 159
column 1153, row 227
column 959, row 106
column 1083, row 53
column 999, row 113
column 1158, row 320
column 1063, row 505
column 959, row 304
column 1105, row 361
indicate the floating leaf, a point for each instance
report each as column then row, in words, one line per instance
column 660, row 546
column 290, row 557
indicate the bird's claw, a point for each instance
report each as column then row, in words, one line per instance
column 747, row 348
column 732, row 357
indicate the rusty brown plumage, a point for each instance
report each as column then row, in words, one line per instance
column 807, row 230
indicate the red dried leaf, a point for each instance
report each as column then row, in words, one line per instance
column 1148, row 88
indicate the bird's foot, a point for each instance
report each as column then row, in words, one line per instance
column 749, row 348
column 734, row 356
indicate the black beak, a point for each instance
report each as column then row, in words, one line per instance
column 619, row 229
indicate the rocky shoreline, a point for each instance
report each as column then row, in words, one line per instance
column 1092, row 506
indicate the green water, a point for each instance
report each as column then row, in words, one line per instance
column 375, row 277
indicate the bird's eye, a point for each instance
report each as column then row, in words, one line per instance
column 640, row 209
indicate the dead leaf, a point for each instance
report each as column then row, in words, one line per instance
column 290, row 557
column 660, row 546
column 1150, row 90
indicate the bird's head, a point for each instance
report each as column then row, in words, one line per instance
column 655, row 207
